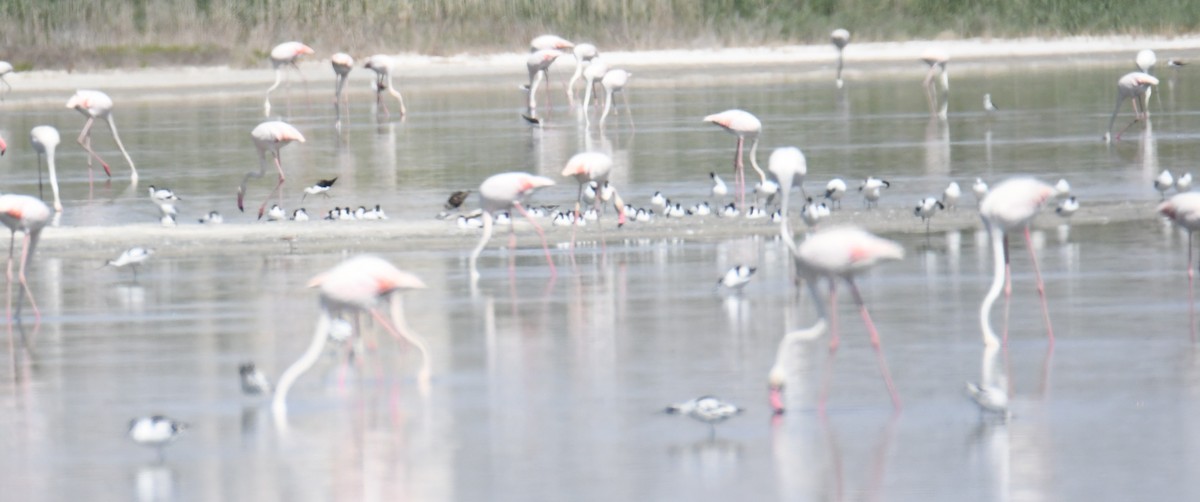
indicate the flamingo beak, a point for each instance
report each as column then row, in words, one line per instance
column 241, row 195
column 3, row 146
column 776, row 400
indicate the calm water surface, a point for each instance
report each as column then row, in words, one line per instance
column 551, row 388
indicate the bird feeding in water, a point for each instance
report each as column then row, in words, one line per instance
column 320, row 187
column 707, row 409
column 737, row 277
column 132, row 257
column 155, row 431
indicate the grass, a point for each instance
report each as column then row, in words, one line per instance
column 106, row 33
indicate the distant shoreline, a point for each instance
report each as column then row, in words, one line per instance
column 36, row 88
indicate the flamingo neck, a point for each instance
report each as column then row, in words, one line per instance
column 985, row 309
column 279, row 402
column 762, row 177
column 483, row 240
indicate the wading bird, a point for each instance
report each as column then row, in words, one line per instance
column 383, row 65
column 28, row 215
column 504, row 191
column 1134, row 86
column 268, row 136
column 584, row 54
column 94, row 105
column 155, row 431
column 283, row 56
column 342, row 64
column 840, row 38
column 744, row 125
column 937, row 76
column 359, row 284
column 1009, row 207
column 45, row 141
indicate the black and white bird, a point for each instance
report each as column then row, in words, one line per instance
column 988, row 106
column 1164, row 182
column 1062, row 189
column 213, row 217
column 926, row 208
column 456, row 199
column 707, row 409
column 658, row 199
column 980, row 189
column 1067, row 207
column 132, row 257
column 737, row 277
column 155, row 431
column 755, row 213
column 322, row 187
column 1184, row 182
column 951, row 195
column 1176, row 63
column 834, row 190
column 990, row 399
column 276, row 213
column 162, row 194
column 300, row 215
column 813, row 212
column 872, row 190
column 254, row 382
column 719, row 188
column 730, row 210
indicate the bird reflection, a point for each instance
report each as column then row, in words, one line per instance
column 154, row 482
column 937, row 147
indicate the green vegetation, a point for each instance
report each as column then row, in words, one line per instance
column 101, row 33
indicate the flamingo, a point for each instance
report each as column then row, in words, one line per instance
column 936, row 58
column 45, row 140
column 1184, row 210
column 382, row 65
column 584, row 54
column 282, row 56
column 789, row 167
column 538, row 63
column 94, row 105
column 841, row 253
column 342, row 64
column 268, row 136
column 28, row 215
column 549, row 42
column 593, row 168
column 500, row 192
column 6, row 68
column 1134, row 86
column 742, row 124
column 592, row 75
column 613, row 82
column 1010, row 206
column 840, row 38
column 356, row 284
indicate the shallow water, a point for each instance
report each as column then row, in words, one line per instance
column 548, row 388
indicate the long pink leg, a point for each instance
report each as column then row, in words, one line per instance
column 277, row 191
column 85, row 140
column 37, row 314
column 1041, row 287
column 1191, row 292
column 1007, row 291
column 826, row 377
column 8, row 311
column 545, row 247
column 883, row 368
column 835, row 337
column 737, row 175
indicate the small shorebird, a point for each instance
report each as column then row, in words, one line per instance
column 719, row 188
column 926, row 208
column 1067, row 207
column 254, row 382
column 980, row 189
column 276, row 213
column 321, row 187
column 300, row 215
column 162, row 194
column 737, row 277
column 456, row 199
column 155, row 431
column 834, row 190
column 1164, row 182
column 213, row 217
column 707, row 409
column 1062, row 189
column 872, row 189
column 132, row 257
column 990, row 399
column 951, row 195
column 988, row 106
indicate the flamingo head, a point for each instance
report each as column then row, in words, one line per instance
column 3, row 146
column 1167, row 209
column 775, row 384
column 77, row 102
column 531, row 183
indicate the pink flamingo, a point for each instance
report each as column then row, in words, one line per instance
column 1184, row 210
column 594, row 168
column 789, row 167
column 355, row 285
column 613, row 82
column 382, row 65
column 1011, row 206
column 592, row 75
column 282, row 56
column 342, row 64
column 549, row 42
column 538, row 63
column 843, row 252
column 936, row 58
column 499, row 193
column 45, row 141
column 268, row 136
column 1134, row 86
column 94, row 105
column 28, row 215
column 742, row 124
column 584, row 54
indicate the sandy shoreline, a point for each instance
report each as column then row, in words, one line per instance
column 444, row 235
column 474, row 70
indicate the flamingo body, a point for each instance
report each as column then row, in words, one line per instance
column 97, row 105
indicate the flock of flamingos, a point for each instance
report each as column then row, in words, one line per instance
column 370, row 284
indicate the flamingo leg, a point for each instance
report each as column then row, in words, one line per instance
column 8, row 274
column 835, row 338
column 262, row 169
column 277, row 191
column 85, row 140
column 538, row 228
column 883, row 367
column 37, row 314
column 41, row 192
column 1191, row 291
column 133, row 177
column 737, row 174
column 1041, row 287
